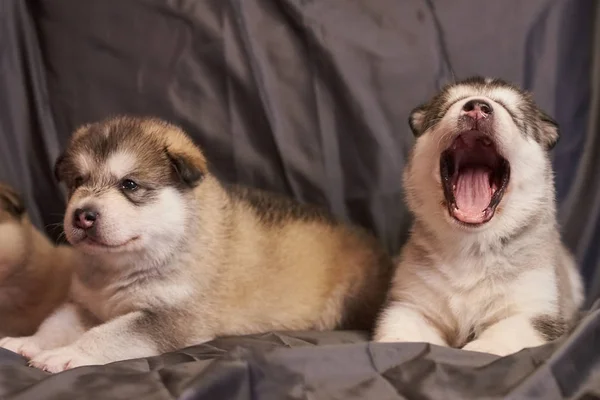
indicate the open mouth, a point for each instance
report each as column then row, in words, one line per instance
column 474, row 178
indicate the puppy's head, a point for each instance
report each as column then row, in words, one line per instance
column 13, row 230
column 130, row 182
column 481, row 157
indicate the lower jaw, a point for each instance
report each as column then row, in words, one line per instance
column 487, row 217
column 90, row 244
column 469, row 225
column 485, row 221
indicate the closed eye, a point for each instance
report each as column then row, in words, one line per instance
column 510, row 112
column 78, row 181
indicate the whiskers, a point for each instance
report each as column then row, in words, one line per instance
column 62, row 237
column 52, row 228
column 444, row 137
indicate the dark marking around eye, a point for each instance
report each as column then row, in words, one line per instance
column 445, row 109
column 454, row 102
column 510, row 112
column 437, row 110
column 129, row 185
column 137, row 194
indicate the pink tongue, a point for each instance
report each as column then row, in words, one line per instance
column 472, row 192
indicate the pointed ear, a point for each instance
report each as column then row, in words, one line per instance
column 416, row 119
column 59, row 167
column 550, row 131
column 11, row 201
column 189, row 167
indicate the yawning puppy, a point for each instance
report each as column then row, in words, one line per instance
column 484, row 268
column 34, row 274
column 176, row 258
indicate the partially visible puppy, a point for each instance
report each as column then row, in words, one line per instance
column 34, row 274
column 176, row 258
column 484, row 268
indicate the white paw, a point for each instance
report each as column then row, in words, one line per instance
column 397, row 337
column 394, row 339
column 26, row 346
column 490, row 347
column 62, row 359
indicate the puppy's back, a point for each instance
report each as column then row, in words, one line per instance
column 309, row 271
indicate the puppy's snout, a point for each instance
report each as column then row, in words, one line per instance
column 84, row 218
column 477, row 109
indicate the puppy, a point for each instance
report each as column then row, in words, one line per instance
column 34, row 274
column 484, row 268
column 176, row 258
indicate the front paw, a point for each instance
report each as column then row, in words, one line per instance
column 391, row 338
column 62, row 359
column 424, row 336
column 26, row 346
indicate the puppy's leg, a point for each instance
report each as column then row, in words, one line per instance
column 62, row 327
column 507, row 336
column 135, row 335
column 400, row 323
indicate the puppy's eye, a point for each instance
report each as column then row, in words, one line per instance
column 77, row 182
column 129, row 185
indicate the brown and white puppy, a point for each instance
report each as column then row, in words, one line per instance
column 34, row 274
column 484, row 268
column 176, row 258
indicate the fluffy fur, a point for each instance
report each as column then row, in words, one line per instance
column 34, row 274
column 498, row 286
column 176, row 258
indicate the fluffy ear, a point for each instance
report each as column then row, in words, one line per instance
column 550, row 131
column 189, row 167
column 58, row 168
column 416, row 119
column 11, row 201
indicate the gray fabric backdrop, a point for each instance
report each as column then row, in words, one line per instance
column 308, row 98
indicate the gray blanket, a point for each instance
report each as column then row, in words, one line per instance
column 326, row 365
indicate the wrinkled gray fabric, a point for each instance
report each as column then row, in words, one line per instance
column 325, row 365
column 308, row 98
column 581, row 208
column 28, row 140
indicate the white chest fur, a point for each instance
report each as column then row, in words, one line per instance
column 119, row 296
column 481, row 291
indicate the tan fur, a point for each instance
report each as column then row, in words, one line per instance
column 207, row 259
column 34, row 274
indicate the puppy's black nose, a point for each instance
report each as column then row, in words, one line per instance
column 477, row 109
column 84, row 218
